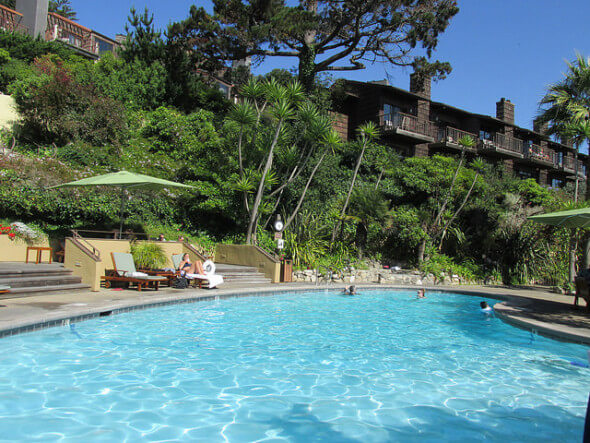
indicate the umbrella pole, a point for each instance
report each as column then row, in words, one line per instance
column 121, row 212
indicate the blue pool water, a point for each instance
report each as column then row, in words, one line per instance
column 380, row 366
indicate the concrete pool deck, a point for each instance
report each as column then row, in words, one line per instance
column 534, row 309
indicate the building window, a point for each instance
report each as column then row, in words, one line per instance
column 556, row 183
column 485, row 135
column 526, row 173
column 389, row 111
column 104, row 46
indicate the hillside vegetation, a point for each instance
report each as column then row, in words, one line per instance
column 274, row 153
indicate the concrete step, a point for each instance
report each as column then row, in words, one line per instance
column 62, row 271
column 27, row 281
column 35, row 290
column 252, row 280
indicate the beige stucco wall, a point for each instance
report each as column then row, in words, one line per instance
column 247, row 255
column 16, row 250
column 8, row 114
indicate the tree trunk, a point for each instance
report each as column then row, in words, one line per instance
column 421, row 250
column 379, row 179
column 449, row 194
column 577, row 178
column 302, row 197
column 260, row 192
column 572, row 257
column 444, row 232
column 345, row 206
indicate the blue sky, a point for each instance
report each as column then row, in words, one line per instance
column 498, row 48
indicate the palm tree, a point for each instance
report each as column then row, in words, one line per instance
column 281, row 110
column 367, row 133
column 566, row 108
column 331, row 141
column 567, row 104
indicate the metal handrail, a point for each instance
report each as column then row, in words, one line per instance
column 83, row 244
column 194, row 250
column 267, row 254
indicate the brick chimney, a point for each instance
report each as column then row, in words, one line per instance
column 34, row 15
column 540, row 128
column 505, row 111
column 420, row 85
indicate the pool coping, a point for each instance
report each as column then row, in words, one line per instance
column 508, row 310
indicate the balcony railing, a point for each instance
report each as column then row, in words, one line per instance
column 67, row 31
column 540, row 154
column 451, row 136
column 503, row 143
column 10, row 20
column 408, row 123
column 567, row 164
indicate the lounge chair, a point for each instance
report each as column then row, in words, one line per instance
column 4, row 289
column 124, row 271
column 208, row 280
column 582, row 291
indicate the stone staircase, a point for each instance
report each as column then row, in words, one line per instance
column 235, row 275
column 27, row 279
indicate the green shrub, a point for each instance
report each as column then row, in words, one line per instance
column 147, row 255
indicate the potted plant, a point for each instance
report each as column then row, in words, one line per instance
column 147, row 255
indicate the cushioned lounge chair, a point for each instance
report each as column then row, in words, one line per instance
column 582, row 291
column 4, row 289
column 124, row 271
column 208, row 280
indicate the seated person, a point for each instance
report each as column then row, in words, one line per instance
column 191, row 268
column 485, row 307
column 351, row 290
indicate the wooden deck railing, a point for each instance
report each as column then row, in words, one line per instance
column 10, row 20
column 408, row 123
column 540, row 153
column 70, row 32
column 453, row 135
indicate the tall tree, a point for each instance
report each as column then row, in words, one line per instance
column 367, row 133
column 566, row 107
column 63, row 8
column 323, row 35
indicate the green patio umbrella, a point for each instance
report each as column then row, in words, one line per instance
column 574, row 218
column 125, row 181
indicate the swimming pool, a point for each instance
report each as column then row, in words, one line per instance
column 380, row 366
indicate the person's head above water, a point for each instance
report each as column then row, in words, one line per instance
column 483, row 305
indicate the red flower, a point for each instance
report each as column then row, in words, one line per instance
column 12, row 235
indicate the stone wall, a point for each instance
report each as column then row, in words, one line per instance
column 377, row 275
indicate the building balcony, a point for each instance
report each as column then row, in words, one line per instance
column 10, row 20
column 69, row 32
column 567, row 165
column 502, row 144
column 540, row 155
column 409, row 126
column 448, row 138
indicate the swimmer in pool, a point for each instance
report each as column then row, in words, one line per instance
column 421, row 293
column 485, row 307
column 351, row 290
